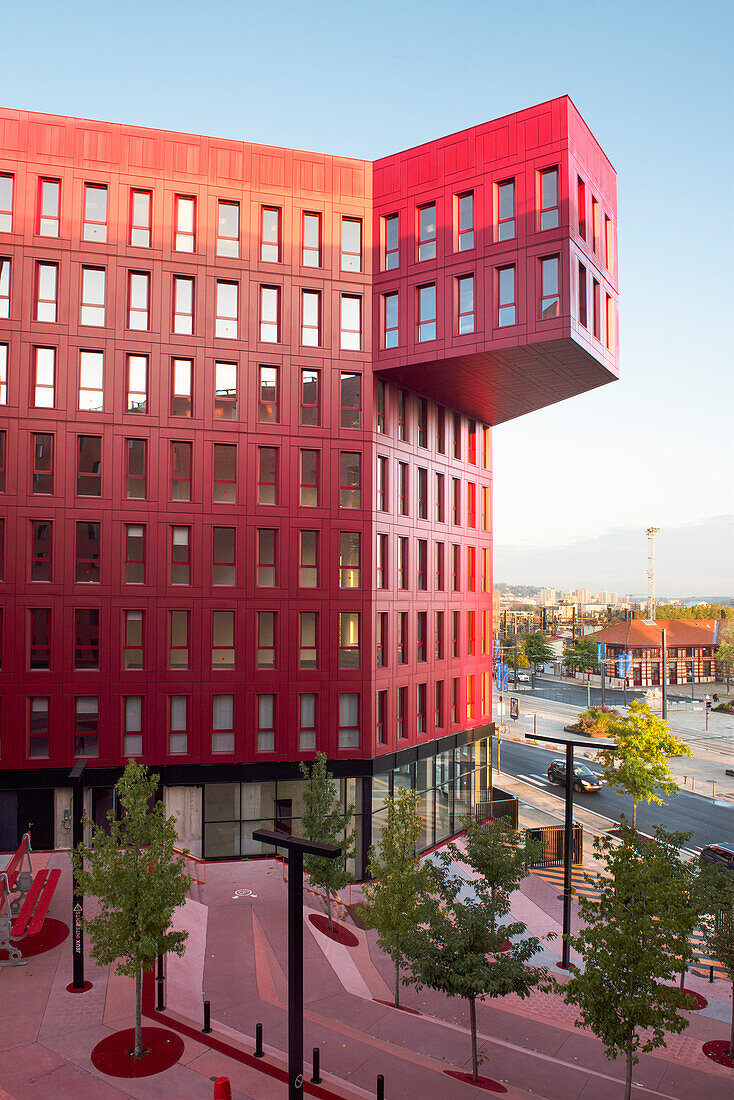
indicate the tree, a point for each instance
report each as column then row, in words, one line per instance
column 638, row 764
column 325, row 821
column 458, row 949
column 716, row 887
column 538, row 649
column 628, row 952
column 596, row 721
column 725, row 654
column 138, row 880
column 396, row 896
column 581, row 655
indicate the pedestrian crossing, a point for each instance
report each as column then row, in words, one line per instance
column 554, row 876
column 704, row 961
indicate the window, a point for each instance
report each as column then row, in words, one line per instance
column 270, row 234
column 308, row 573
column 438, row 635
column 471, row 504
column 441, row 430
column 225, row 391
column 86, row 731
column 438, row 704
column 223, row 556
column 380, row 712
column 381, row 407
column 38, row 731
column 132, row 741
column 45, row 376
column 466, row 304
column 269, row 314
column 506, row 210
column 439, row 571
column 610, row 323
column 506, row 296
column 137, row 383
column 608, row 243
column 91, row 396
column 349, row 566
column 582, row 295
column 222, row 723
column 223, row 639
column 133, row 640
column 40, row 550
column 49, row 208
column 225, row 473
column 350, row 491
column 422, row 493
column 549, row 198
column 311, row 240
column 180, row 470
column 135, row 553
column 43, row 463
column 6, row 204
column 351, row 323
column 471, row 633
column 351, row 244
column 225, row 325
column 486, row 693
column 86, row 647
column 228, row 229
column 486, row 571
column 95, row 213
column 178, row 634
column 351, row 400
column 47, row 290
column 485, row 507
column 265, row 723
column 427, row 232
column 422, row 422
column 178, row 723
column 135, row 451
column 307, row 635
column 140, row 218
column 597, row 309
column 267, row 472
column 392, row 242
column 309, row 479
column 381, row 561
column 180, row 555
column 181, row 371
column 420, row 717
column 309, row 397
column 472, row 447
column 183, row 305
column 89, row 465
column 471, row 706
column 440, row 497
column 138, row 301
column 3, row 456
column 455, row 628
column 87, row 552
column 595, row 225
column 422, row 571
column 465, row 221
column 39, row 656
column 266, row 538
column 581, row 206
column 421, row 631
column 4, row 288
column 402, row 711
column 266, row 639
column 184, row 215
column 427, row 312
column 402, row 561
column 348, row 720
column 455, row 567
column 455, row 501
column 381, row 639
column 550, row 302
column 402, row 416
column 403, row 501
column 310, row 318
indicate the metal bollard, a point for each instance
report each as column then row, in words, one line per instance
column 315, row 1076
column 259, row 1041
column 207, row 1028
column 380, row 1087
column 159, row 980
column 713, row 789
column 711, row 973
column 693, row 782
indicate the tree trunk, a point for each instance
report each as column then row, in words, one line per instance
column 138, row 1051
column 397, row 985
column 683, row 978
column 473, row 1023
column 634, row 815
column 628, row 1082
column 328, row 907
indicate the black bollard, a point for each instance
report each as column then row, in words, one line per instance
column 711, row 973
column 315, row 1077
column 207, row 1028
column 380, row 1087
column 160, row 1006
column 259, row 1041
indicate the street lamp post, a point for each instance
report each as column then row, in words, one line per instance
column 77, row 897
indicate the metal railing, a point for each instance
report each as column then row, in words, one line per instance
column 498, row 807
column 552, row 838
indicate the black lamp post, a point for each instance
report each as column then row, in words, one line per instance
column 296, row 846
column 77, row 898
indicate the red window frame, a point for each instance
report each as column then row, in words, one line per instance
column 224, row 488
column 426, row 310
column 268, row 394
column 455, row 567
column 505, row 198
column 181, row 460
column 471, row 569
column 350, row 572
column 610, row 322
column 402, row 712
column 88, row 567
column 471, row 504
column 381, row 407
column 465, row 221
column 225, row 394
column 308, row 558
column 472, row 442
column 226, row 320
column 608, row 244
column 267, row 489
column 438, row 622
column 596, row 305
column 350, row 339
column 455, row 633
column 92, row 310
column 390, row 315
column 506, row 296
column 307, row 724
column 426, row 234
column 402, row 561
column 422, row 492
column 308, row 632
column 181, row 733
column 310, row 401
column 91, row 381
column 86, row 727
column 182, row 385
column 465, row 305
column 86, row 647
column 402, row 647
column 403, row 501
column 178, row 653
column 49, row 214
column 42, row 476
column 49, row 306
column 310, row 318
column 440, row 429
column 38, row 727
column 136, row 311
column 456, row 501
column 140, row 223
column 595, row 226
column 308, row 477
column 350, row 404
column 41, row 550
column 382, row 473
column 6, row 202
column 422, row 565
column 270, row 236
column 133, row 638
column 95, row 229
column 381, row 565
column 438, row 705
column 180, row 551
column 351, row 259
column 422, row 422
column 471, row 706
column 133, row 479
column 266, row 546
column 39, row 638
column 311, row 252
column 43, row 389
column 223, row 639
column 269, row 318
column 402, row 416
column 439, row 571
column 4, row 287
column 548, row 196
column 550, row 287
column 224, row 556
column 182, row 318
column 440, row 497
column 89, row 465
column 420, row 701
column 583, row 315
column 581, row 207
column 421, row 636
column 381, row 628
column 380, row 711
column 3, row 458
column 184, row 238
column 228, row 244
column 350, row 491
column 392, row 241
column 266, row 633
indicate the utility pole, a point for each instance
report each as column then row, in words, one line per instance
column 664, row 671
column 651, row 533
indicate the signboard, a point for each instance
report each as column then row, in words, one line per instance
column 496, row 649
column 501, row 674
column 514, row 709
column 598, row 651
column 624, row 665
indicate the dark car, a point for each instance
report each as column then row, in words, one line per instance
column 721, row 855
column 584, row 778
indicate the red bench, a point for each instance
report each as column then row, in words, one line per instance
column 24, row 900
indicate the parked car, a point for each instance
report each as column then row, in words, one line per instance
column 523, row 678
column 722, row 855
column 584, row 779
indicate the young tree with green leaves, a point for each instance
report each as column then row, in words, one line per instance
column 716, row 892
column 629, row 950
column 325, row 821
column 581, row 656
column 138, row 881
column 538, row 649
column 725, row 654
column 397, row 893
column 638, row 764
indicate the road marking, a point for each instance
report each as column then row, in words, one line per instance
column 530, row 779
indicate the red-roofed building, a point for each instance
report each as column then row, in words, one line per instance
column 690, row 644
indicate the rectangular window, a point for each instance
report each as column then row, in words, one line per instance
column 465, row 286
column 351, row 400
column 225, row 473
column 47, row 292
column 440, row 497
column 382, row 462
column 471, row 633
column 3, row 459
column 178, row 724
column 471, row 706
column 4, row 288
column 381, row 578
column 426, row 313
column 438, row 635
column 137, row 384
column 307, row 722
column 595, row 225
column 138, row 294
column 38, row 731
column 471, row 504
column 441, row 429
column 178, row 634
column 132, row 742
column 349, row 564
column 308, row 571
column 427, row 232
column 140, row 218
column 455, row 567
column 269, row 314
column 228, row 229
column 392, row 242
column 180, row 555
column 581, row 207
column 266, row 539
column 267, row 473
column 86, row 731
column 456, row 501
column 310, row 318
column 549, row 198
column 311, row 240
column 40, row 550
column 308, row 496
column 422, row 564
column 225, row 391
column 266, row 639
column 6, row 204
column 550, row 301
column 95, row 213
column 439, row 571
column 348, row 732
column 43, row 463
column 486, row 570
column 223, row 721
column 402, row 416
column 180, row 470
column 506, row 296
column 223, row 556
column 422, row 493
column 86, row 647
column 455, row 629
column 402, row 561
column 181, row 387
column 89, row 466
column 44, row 378
column 270, row 234
column 486, row 693
column 91, row 389
column 350, row 488
column 351, row 323
column 133, row 642
column 134, row 553
column 135, row 481
column 403, row 501
column 597, row 309
column 438, row 705
column 421, row 631
column 307, row 635
column 472, row 445
column 420, row 716
column 183, row 305
column 39, row 656
column 351, row 244
column 465, row 220
column 380, row 713
column 87, row 552
column 610, row 323
column 225, row 324
column 267, row 406
column 582, row 295
column 49, row 207
column 506, row 210
column 381, row 639
column 265, row 723
column 184, row 218
column 309, row 397
column 223, row 639
column 608, row 243
column 402, row 712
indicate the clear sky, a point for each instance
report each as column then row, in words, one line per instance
column 652, row 78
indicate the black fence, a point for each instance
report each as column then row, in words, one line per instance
column 552, row 837
column 503, row 806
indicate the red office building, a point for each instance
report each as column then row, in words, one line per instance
column 246, row 396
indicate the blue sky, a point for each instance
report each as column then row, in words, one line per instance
column 653, row 81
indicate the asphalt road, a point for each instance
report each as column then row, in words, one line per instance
column 569, row 691
column 708, row 821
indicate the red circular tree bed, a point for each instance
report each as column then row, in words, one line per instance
column 113, row 1055
column 485, row 1083
column 339, row 932
column 718, row 1051
column 53, row 932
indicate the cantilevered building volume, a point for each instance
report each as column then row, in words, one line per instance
column 245, row 472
